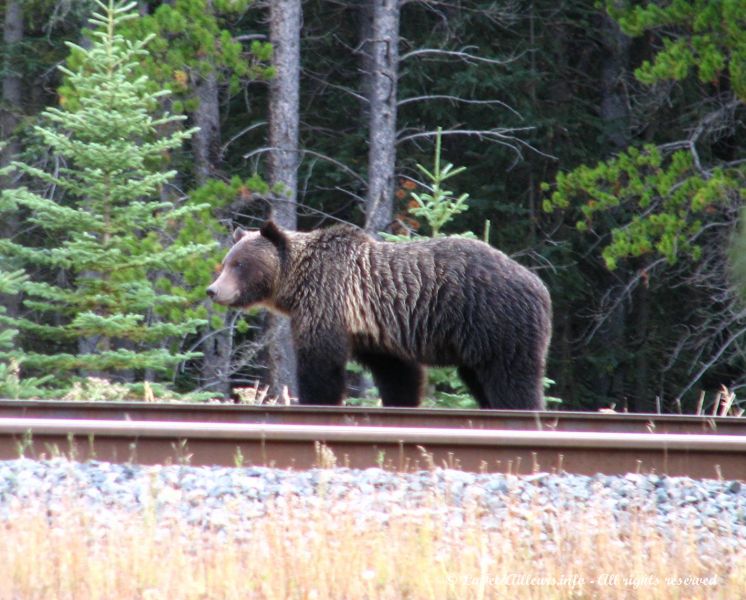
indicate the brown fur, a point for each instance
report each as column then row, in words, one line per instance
column 394, row 308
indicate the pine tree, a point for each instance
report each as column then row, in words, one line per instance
column 110, row 244
column 198, row 56
column 11, row 386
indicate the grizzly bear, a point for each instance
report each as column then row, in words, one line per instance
column 395, row 307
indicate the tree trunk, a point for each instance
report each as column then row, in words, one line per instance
column 10, row 116
column 384, row 60
column 644, row 402
column 218, row 345
column 614, row 107
column 365, row 54
column 284, row 106
column 206, row 141
column 12, row 81
column 617, row 382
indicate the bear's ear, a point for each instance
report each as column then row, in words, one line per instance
column 274, row 234
column 238, row 235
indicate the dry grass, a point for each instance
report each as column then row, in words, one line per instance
column 332, row 551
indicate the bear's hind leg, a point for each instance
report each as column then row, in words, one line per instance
column 400, row 383
column 470, row 378
column 518, row 390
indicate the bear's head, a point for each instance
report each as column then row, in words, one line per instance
column 249, row 273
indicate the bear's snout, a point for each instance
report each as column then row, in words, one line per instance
column 223, row 290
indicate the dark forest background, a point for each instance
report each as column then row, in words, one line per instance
column 603, row 147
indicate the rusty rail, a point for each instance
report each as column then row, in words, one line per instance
column 400, row 448
column 384, row 417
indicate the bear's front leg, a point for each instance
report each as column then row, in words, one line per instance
column 321, row 373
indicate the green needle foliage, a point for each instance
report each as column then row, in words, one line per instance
column 655, row 200
column 714, row 43
column 9, row 284
column 192, row 40
column 110, row 240
column 11, row 386
column 439, row 205
column 661, row 199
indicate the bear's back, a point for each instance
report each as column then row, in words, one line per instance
column 415, row 298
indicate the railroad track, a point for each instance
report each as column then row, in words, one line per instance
column 404, row 439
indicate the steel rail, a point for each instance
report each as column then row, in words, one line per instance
column 388, row 417
column 400, row 448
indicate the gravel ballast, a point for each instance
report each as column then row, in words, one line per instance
column 218, row 497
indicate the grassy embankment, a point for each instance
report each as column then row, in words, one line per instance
column 331, row 551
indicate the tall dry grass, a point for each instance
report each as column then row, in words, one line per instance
column 329, row 550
